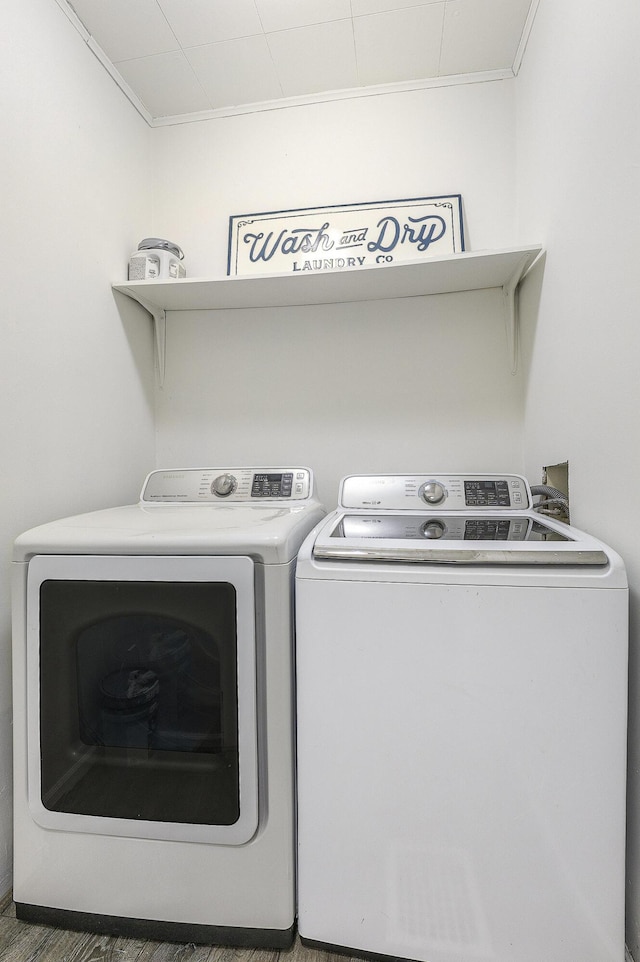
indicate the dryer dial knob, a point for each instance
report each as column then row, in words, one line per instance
column 432, row 492
column 224, row 485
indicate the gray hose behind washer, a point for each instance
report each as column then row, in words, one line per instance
column 551, row 496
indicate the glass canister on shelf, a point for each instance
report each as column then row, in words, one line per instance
column 156, row 259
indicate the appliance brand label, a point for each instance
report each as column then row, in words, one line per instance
column 342, row 237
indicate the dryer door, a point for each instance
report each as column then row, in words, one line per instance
column 141, row 696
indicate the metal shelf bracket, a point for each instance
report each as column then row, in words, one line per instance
column 510, row 300
column 159, row 316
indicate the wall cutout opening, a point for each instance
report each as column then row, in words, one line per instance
column 553, row 494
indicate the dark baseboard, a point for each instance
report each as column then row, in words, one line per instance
column 351, row 951
column 157, row 930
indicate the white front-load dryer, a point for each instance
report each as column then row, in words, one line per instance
column 462, row 693
column 153, row 710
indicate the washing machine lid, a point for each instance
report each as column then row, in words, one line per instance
column 463, row 519
column 472, row 539
column 262, row 517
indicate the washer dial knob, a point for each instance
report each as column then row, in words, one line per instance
column 433, row 530
column 224, row 485
column 432, row 492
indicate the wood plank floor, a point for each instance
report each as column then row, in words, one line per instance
column 24, row 942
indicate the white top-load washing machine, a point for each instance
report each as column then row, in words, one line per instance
column 153, row 710
column 462, row 695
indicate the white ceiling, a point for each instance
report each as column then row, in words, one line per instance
column 176, row 58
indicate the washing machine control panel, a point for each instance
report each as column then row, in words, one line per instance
column 446, row 492
column 227, row 485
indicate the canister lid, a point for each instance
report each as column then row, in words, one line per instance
column 158, row 243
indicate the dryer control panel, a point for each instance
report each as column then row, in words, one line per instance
column 227, row 485
column 446, row 492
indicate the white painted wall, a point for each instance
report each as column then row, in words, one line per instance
column 76, row 395
column 371, row 387
column 412, row 383
column 579, row 192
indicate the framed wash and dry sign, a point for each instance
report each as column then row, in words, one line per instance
column 345, row 236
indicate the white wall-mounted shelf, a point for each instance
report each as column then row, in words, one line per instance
column 477, row 270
